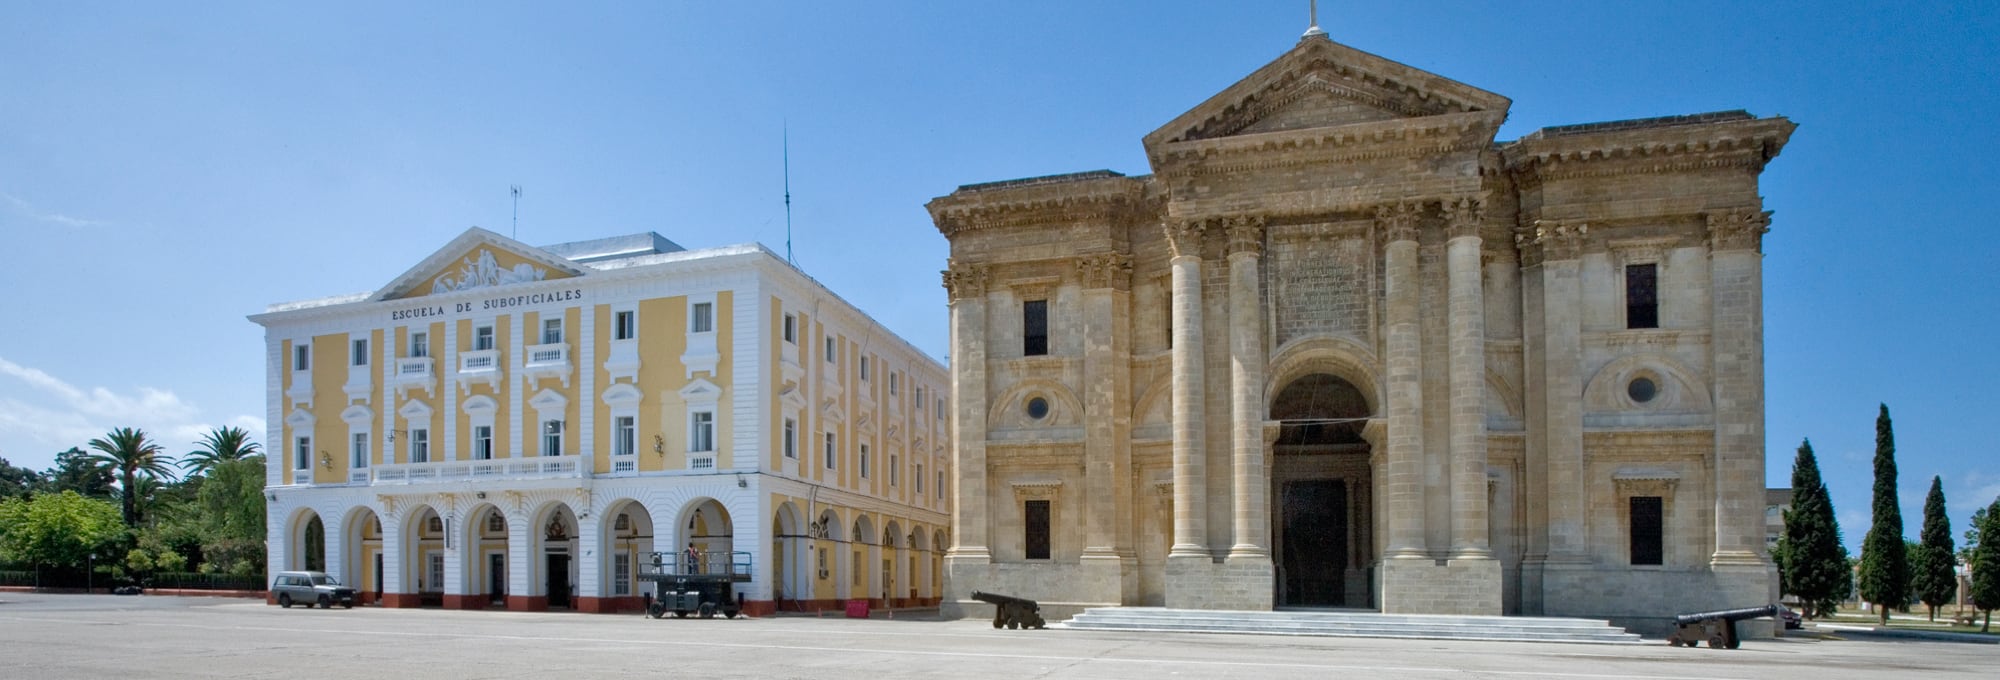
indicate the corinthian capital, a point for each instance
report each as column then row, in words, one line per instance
column 1551, row 240
column 1184, row 237
column 1738, row 229
column 963, row 281
column 1246, row 235
column 1105, row 270
column 1398, row 221
column 1463, row 217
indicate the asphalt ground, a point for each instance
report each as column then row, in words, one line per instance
column 60, row 637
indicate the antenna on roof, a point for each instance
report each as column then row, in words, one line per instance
column 1313, row 31
column 516, row 231
column 787, row 143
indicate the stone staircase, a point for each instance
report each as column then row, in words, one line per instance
column 1350, row 623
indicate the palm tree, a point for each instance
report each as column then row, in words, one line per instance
column 126, row 451
column 220, row 445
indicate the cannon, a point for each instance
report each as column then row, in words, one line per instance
column 1716, row 627
column 1013, row 612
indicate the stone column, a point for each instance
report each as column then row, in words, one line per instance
column 1737, row 339
column 1189, row 387
column 966, row 286
column 1467, row 336
column 1556, row 246
column 1404, row 357
column 1107, row 421
column 1246, row 392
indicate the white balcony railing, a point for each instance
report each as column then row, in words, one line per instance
column 411, row 373
column 479, row 365
column 548, row 361
column 498, row 469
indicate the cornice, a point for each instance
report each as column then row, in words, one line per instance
column 1107, row 199
column 1746, row 144
column 1402, row 138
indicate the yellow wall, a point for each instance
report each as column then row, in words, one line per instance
column 329, row 375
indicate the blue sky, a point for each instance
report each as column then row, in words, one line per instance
column 166, row 169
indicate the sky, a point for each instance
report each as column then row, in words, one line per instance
column 168, row 168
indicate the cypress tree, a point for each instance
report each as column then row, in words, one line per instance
column 1885, row 566
column 1985, row 575
column 1934, row 579
column 1814, row 562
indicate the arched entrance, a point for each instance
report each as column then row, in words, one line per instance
column 631, row 544
column 865, row 577
column 791, row 552
column 554, row 559
column 486, row 557
column 1322, row 516
column 831, row 566
column 707, row 526
column 309, row 542
column 895, row 583
column 423, row 556
column 362, row 549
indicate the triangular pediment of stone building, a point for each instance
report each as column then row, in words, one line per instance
column 478, row 259
column 1321, row 83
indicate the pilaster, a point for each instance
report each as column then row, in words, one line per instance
column 1189, row 391
column 1245, row 249
column 1466, row 336
column 1107, row 355
column 1553, row 248
column 966, row 286
column 1404, row 501
column 1737, row 286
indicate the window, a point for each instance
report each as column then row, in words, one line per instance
column 940, row 408
column 1642, row 302
column 893, row 379
column 701, row 431
column 552, row 331
column 791, row 329
column 791, row 438
column 940, row 484
column 437, row 569
column 918, row 478
column 892, row 470
column 829, row 450
column 864, row 367
column 420, row 446
column 1035, row 328
column 420, row 344
column 302, row 455
column 624, row 435
column 1036, row 518
column 360, row 450
column 552, row 432
column 621, row 575
column 919, row 400
column 301, row 357
column 482, row 338
column 360, row 356
column 829, row 349
column 482, row 442
column 703, row 320
column 623, row 325
column 1648, row 530
column 864, row 461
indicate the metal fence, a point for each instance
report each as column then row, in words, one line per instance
column 193, row 581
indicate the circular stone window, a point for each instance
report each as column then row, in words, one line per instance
column 1038, row 408
column 1642, row 390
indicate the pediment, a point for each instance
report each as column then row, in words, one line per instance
column 478, row 259
column 701, row 391
column 1319, row 84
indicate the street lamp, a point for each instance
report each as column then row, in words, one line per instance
column 89, row 573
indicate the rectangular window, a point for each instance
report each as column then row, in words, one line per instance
column 621, row 574
column 791, row 329
column 1648, row 530
column 918, row 478
column 360, row 357
column 940, row 484
column 551, row 331
column 420, row 344
column 864, row 367
column 623, row 326
column 437, row 573
column 894, row 378
column 1642, row 301
column 829, row 450
column 420, row 446
column 1035, row 328
column 482, row 442
column 864, row 461
column 552, row 431
column 360, row 450
column 1036, row 518
column 940, row 408
column 791, row 438
column 301, row 357
column 624, row 435
column 701, row 431
column 302, row 454
column 829, row 349
column 703, row 320
column 482, row 338
column 892, row 470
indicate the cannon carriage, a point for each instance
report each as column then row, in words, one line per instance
column 1717, row 628
column 1013, row 612
column 704, row 586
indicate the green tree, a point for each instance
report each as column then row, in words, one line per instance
column 231, row 508
column 1885, row 567
column 1814, row 561
column 220, row 445
column 1934, row 574
column 127, row 452
column 58, row 529
column 75, row 471
column 17, row 481
column 1969, row 552
column 1986, row 578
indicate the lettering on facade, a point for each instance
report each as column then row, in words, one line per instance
column 510, row 301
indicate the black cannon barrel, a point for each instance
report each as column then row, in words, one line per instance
column 1727, row 615
column 991, row 598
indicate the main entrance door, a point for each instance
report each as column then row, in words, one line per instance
column 1321, row 486
column 558, row 571
column 1315, row 547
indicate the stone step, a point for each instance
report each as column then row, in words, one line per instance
column 1351, row 624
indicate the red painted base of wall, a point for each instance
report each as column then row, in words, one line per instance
column 479, row 601
column 609, row 605
column 527, row 603
column 402, row 600
column 759, row 607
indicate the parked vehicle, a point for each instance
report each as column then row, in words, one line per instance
column 310, row 588
column 1791, row 619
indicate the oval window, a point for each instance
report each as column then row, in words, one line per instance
column 1642, row 390
column 1038, row 408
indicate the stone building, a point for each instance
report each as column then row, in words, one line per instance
column 1344, row 348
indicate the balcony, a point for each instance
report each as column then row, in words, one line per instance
column 495, row 470
column 480, row 365
column 411, row 373
column 301, row 391
column 548, row 361
column 623, row 360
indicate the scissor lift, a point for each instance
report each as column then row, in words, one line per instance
column 704, row 586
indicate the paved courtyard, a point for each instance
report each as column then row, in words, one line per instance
column 58, row 637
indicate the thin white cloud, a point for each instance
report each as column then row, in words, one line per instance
column 40, row 410
column 26, row 209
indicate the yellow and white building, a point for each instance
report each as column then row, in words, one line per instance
column 507, row 425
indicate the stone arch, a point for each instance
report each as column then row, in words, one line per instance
column 1009, row 411
column 554, row 541
column 483, row 539
column 626, row 531
column 898, row 579
column 865, row 577
column 831, row 559
column 1680, row 389
column 1319, row 408
column 362, row 550
column 306, row 535
column 1503, row 399
column 1339, row 357
column 422, row 539
column 791, row 555
column 1155, row 405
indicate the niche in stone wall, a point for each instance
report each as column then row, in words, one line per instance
column 1037, row 406
column 1645, row 390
